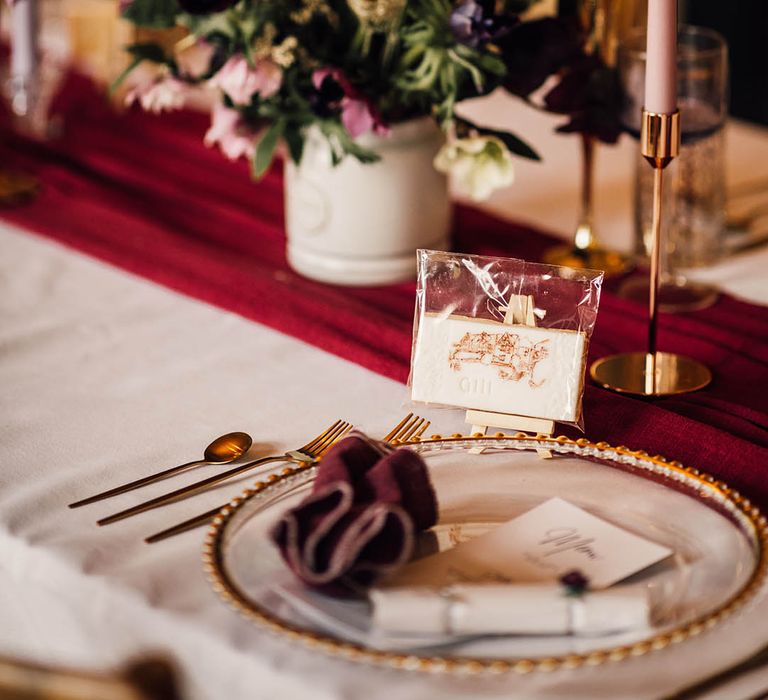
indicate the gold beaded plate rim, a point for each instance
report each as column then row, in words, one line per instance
column 746, row 516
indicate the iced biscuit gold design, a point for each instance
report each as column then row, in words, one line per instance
column 514, row 357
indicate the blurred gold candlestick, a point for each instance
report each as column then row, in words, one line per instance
column 603, row 21
column 17, row 188
column 586, row 251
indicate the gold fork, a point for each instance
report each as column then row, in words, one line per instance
column 306, row 453
column 410, row 427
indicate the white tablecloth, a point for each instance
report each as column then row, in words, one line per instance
column 106, row 377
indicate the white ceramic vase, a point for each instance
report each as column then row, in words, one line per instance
column 358, row 224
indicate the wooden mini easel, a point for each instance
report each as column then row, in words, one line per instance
column 520, row 312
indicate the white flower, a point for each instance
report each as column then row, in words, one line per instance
column 159, row 94
column 478, row 165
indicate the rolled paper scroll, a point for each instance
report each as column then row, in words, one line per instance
column 487, row 609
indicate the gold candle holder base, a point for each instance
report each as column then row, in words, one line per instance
column 611, row 263
column 642, row 374
column 17, row 188
column 586, row 252
column 675, row 296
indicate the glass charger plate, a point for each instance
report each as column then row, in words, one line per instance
column 718, row 538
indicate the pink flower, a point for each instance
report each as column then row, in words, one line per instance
column 241, row 82
column 159, row 94
column 356, row 117
column 235, row 138
column 322, row 73
column 357, row 113
column 194, row 61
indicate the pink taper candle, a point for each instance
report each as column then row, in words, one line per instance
column 661, row 57
column 23, row 38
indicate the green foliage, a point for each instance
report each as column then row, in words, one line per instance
column 295, row 143
column 147, row 52
column 265, row 150
column 513, row 143
column 158, row 14
column 140, row 53
column 438, row 67
column 342, row 144
column 221, row 24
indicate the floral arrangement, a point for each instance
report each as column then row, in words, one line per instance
column 349, row 67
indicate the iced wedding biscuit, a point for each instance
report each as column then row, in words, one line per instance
column 481, row 364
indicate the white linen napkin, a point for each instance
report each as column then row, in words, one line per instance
column 478, row 609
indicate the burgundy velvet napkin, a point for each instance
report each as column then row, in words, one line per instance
column 360, row 522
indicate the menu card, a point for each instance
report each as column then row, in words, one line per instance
column 539, row 546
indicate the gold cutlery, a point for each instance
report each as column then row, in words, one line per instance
column 222, row 450
column 746, row 216
column 411, row 426
column 306, row 453
column 139, row 679
column 721, row 678
column 748, row 187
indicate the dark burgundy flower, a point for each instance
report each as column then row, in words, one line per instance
column 334, row 94
column 535, row 50
column 329, row 91
column 575, row 582
column 204, row 7
column 590, row 93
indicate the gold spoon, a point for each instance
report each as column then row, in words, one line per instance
column 222, row 450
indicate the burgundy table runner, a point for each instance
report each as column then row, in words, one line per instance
column 143, row 193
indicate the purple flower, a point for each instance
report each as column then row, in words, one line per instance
column 473, row 23
column 463, row 20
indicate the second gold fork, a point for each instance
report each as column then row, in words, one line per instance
column 408, row 428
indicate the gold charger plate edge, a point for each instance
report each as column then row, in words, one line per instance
column 738, row 505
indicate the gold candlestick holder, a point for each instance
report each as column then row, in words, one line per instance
column 653, row 373
column 602, row 22
column 16, row 187
column 586, row 251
